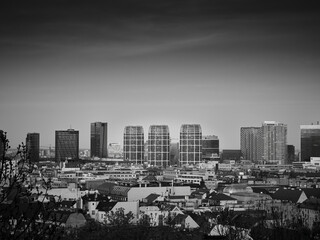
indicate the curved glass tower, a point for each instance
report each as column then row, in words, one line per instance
column 159, row 145
column 190, row 144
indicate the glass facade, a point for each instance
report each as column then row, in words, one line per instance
column 210, row 145
column 159, row 145
column 190, row 144
column 67, row 144
column 310, row 141
column 133, row 144
column 33, row 146
column 99, row 140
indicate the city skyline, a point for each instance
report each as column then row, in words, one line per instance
column 221, row 64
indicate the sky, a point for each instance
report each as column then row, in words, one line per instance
column 223, row 64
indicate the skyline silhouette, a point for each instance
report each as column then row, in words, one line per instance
column 221, row 64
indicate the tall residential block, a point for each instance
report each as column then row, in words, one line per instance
column 33, row 146
column 133, row 144
column 99, row 140
column 274, row 139
column 210, row 146
column 310, row 141
column 159, row 145
column 251, row 143
column 190, row 144
column 67, row 144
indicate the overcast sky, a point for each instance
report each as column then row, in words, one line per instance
column 223, row 64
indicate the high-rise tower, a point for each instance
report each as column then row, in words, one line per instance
column 67, row 144
column 159, row 145
column 190, row 144
column 251, row 143
column 274, row 138
column 210, row 146
column 133, row 144
column 99, row 140
column 310, row 141
column 33, row 146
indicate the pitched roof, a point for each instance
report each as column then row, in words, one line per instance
column 291, row 195
column 220, row 197
column 120, row 190
column 106, row 188
column 105, row 206
column 95, row 197
column 312, row 192
column 312, row 203
column 152, row 197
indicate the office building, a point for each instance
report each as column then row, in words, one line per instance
column 133, row 144
column 99, row 140
column 33, row 146
column 290, row 154
column 251, row 143
column 174, row 152
column 310, row 141
column 210, row 146
column 231, row 154
column 274, row 140
column 190, row 144
column 67, row 145
column 159, row 145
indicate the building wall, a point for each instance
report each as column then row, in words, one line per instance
column 99, row 140
column 33, row 146
column 251, row 143
column 133, row 144
column 310, row 141
column 159, row 145
column 274, row 137
column 210, row 145
column 190, row 144
column 67, row 144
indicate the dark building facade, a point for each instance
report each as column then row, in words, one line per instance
column 251, row 143
column 99, row 139
column 67, row 144
column 231, row 154
column 290, row 154
column 33, row 146
column 210, row 146
column 133, row 144
column 159, row 145
column 310, row 141
column 190, row 144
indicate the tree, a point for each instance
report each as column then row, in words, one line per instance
column 20, row 217
column 144, row 220
column 119, row 218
